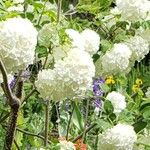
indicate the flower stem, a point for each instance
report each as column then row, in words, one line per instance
column 68, row 126
column 46, row 122
column 86, row 119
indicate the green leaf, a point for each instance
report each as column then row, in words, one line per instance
column 77, row 118
column 41, row 51
column 103, row 125
column 140, row 125
column 108, row 107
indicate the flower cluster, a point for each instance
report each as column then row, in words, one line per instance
column 139, row 48
column 66, row 145
column 87, row 39
column 133, row 10
column 98, row 93
column 120, row 137
column 18, row 39
column 137, row 85
column 116, row 60
column 70, row 78
column 117, row 100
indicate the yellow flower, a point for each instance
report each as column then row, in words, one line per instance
column 110, row 80
column 135, row 88
column 138, row 82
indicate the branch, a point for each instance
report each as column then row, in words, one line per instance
column 7, row 89
column 28, row 96
column 59, row 10
column 14, row 104
column 32, row 134
column 87, row 130
column 46, row 122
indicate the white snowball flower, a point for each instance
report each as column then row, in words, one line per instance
column 92, row 41
column 148, row 92
column 88, row 40
column 77, row 40
column 139, row 48
column 18, row 1
column 116, row 60
column 18, row 39
column 117, row 100
column 120, row 137
column 144, row 33
column 66, row 145
column 48, row 35
column 70, row 78
column 132, row 10
column 19, row 7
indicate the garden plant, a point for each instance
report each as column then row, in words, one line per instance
column 74, row 75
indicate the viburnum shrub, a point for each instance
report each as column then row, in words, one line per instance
column 74, row 75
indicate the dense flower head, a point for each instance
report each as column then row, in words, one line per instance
column 120, row 137
column 70, row 78
column 92, row 41
column 87, row 40
column 144, row 33
column 76, row 39
column 18, row 1
column 139, row 47
column 116, row 60
column 117, row 100
column 18, row 39
column 19, row 7
column 66, row 145
column 133, row 10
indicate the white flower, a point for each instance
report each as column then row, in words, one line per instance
column 117, row 100
column 92, row 41
column 120, row 137
column 18, row 1
column 70, row 78
column 144, row 33
column 148, row 92
column 19, row 7
column 48, row 35
column 116, row 60
column 132, row 10
column 18, row 39
column 77, row 40
column 139, row 48
column 66, row 145
column 87, row 40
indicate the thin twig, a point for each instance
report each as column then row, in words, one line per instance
column 68, row 126
column 46, row 122
column 86, row 119
column 17, row 146
column 4, row 118
column 28, row 96
column 5, row 81
column 59, row 10
column 38, row 22
column 87, row 130
column 31, row 134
